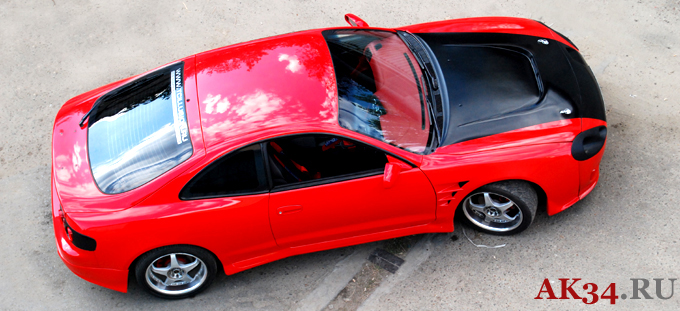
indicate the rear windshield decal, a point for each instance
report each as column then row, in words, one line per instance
column 181, row 130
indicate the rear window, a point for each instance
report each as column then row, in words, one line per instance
column 139, row 131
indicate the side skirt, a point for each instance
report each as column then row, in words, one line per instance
column 292, row 251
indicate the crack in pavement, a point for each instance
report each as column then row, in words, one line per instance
column 334, row 282
column 416, row 256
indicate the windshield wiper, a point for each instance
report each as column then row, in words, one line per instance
column 431, row 82
column 433, row 121
column 434, row 113
column 422, row 57
column 431, row 78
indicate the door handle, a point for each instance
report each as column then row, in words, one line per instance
column 289, row 209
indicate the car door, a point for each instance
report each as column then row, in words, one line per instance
column 328, row 187
column 233, row 193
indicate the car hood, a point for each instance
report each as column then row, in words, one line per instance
column 500, row 82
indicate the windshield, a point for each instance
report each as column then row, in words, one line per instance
column 381, row 92
column 139, row 131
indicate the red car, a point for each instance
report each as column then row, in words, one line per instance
column 239, row 156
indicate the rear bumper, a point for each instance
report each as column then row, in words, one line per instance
column 109, row 278
column 84, row 263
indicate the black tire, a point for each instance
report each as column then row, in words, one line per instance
column 203, row 273
column 476, row 212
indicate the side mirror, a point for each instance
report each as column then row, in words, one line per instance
column 391, row 175
column 355, row 21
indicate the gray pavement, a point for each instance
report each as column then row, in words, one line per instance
column 627, row 228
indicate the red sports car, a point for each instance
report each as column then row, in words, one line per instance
column 239, row 156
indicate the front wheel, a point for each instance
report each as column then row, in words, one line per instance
column 176, row 272
column 502, row 208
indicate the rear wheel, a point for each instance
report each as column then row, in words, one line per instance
column 502, row 208
column 176, row 272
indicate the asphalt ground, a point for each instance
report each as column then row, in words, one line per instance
column 52, row 50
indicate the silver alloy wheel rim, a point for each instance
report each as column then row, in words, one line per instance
column 176, row 273
column 492, row 211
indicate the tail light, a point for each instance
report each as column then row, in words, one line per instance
column 79, row 240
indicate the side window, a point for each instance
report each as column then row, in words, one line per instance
column 239, row 172
column 301, row 158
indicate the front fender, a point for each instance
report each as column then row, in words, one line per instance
column 550, row 166
column 510, row 25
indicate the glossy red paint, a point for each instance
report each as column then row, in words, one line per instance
column 512, row 25
column 550, row 166
column 355, row 21
column 390, row 175
column 252, row 88
column 540, row 154
column 285, row 85
column 115, row 279
column 546, row 133
column 330, row 213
